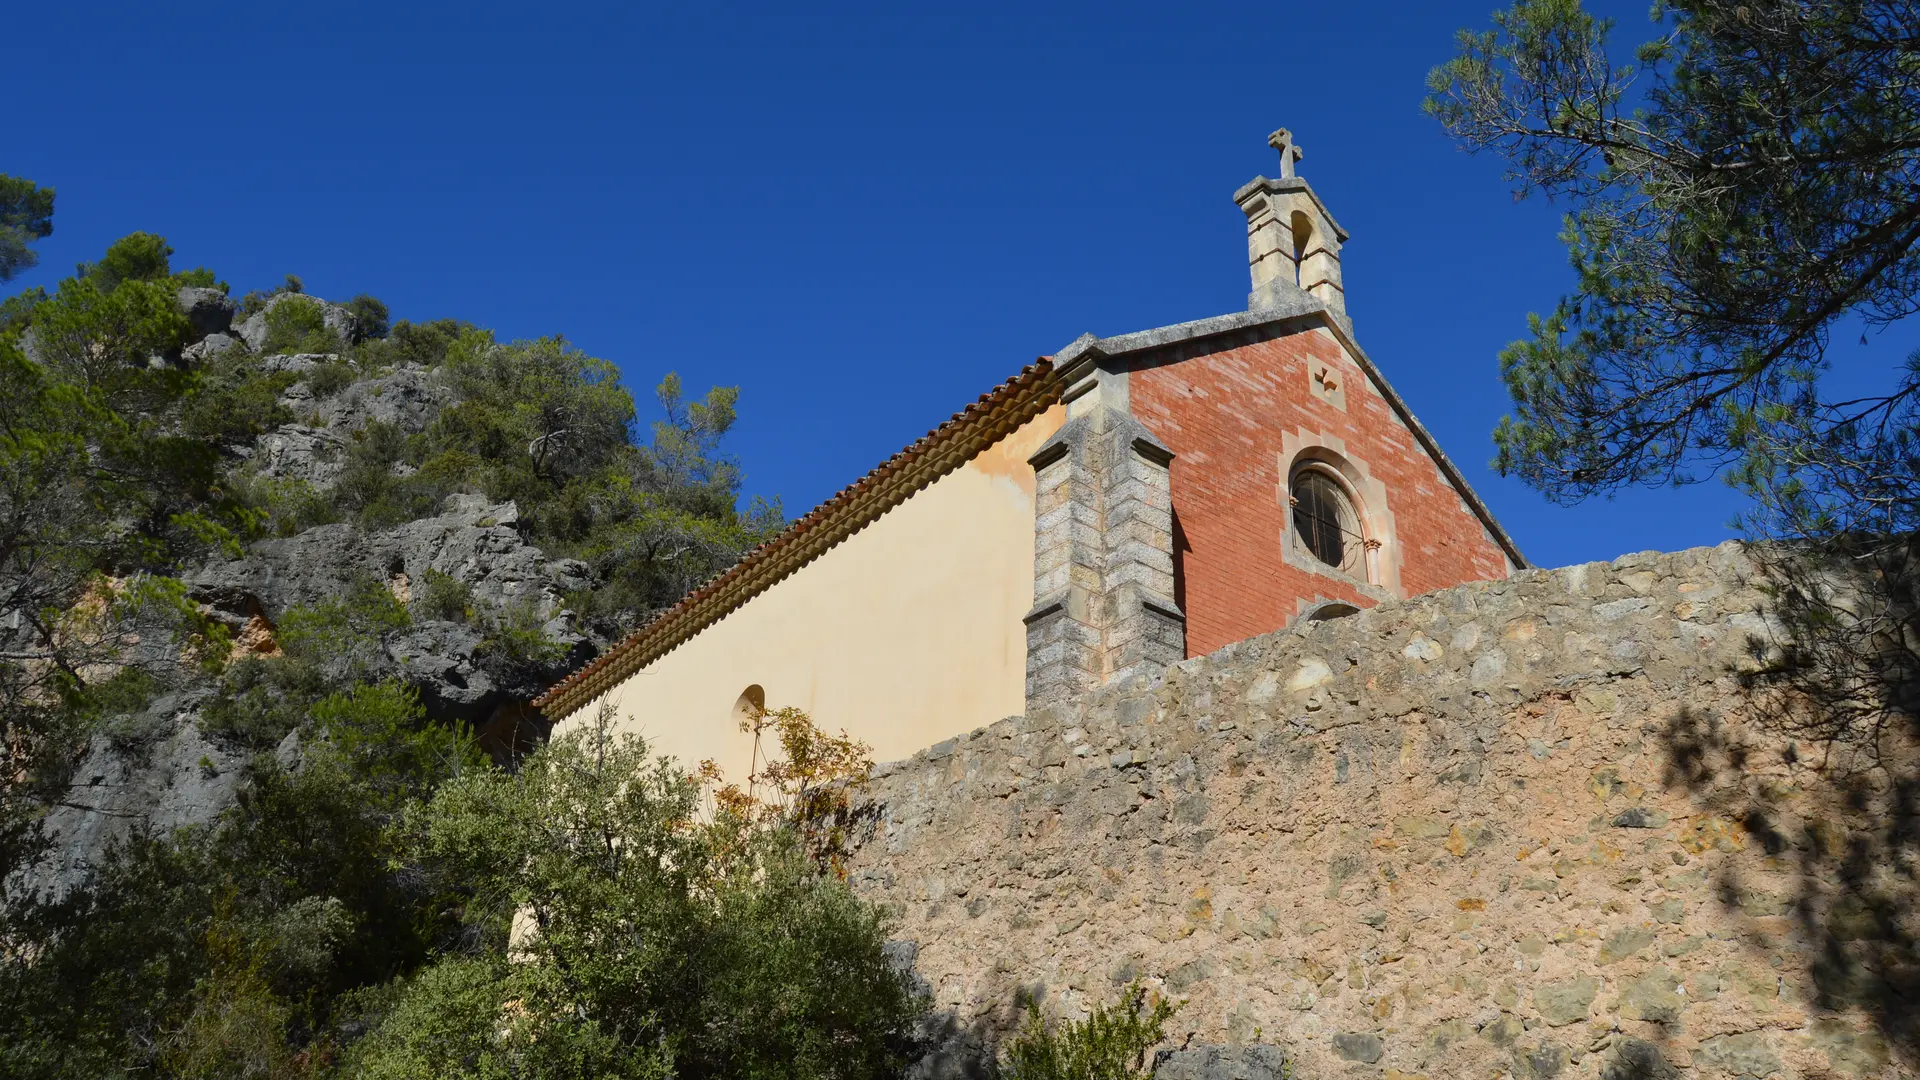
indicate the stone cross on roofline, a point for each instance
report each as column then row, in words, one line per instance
column 1293, row 244
column 1290, row 152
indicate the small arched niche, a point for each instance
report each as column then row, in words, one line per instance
column 1302, row 243
column 749, row 706
column 1328, row 610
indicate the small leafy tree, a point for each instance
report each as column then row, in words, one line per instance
column 542, row 409
column 299, row 325
column 371, row 319
column 815, row 786
column 619, row 936
column 443, row 596
column 666, row 517
column 139, row 256
column 26, row 215
column 1112, row 1043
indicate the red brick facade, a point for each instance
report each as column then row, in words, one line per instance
column 1239, row 415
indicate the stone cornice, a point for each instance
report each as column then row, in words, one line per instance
column 1288, row 185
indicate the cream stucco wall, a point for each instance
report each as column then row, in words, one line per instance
column 905, row 634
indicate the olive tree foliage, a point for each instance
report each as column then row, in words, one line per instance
column 1734, row 193
column 26, row 215
column 622, row 932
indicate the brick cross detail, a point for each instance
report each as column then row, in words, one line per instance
column 1290, row 152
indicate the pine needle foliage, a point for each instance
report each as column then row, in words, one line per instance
column 1737, row 191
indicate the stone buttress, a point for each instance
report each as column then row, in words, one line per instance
column 1103, row 543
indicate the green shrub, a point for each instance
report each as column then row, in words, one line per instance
column 443, row 1023
column 443, row 596
column 139, row 256
column 235, row 1024
column 199, row 277
column 425, row 343
column 1112, row 1043
column 284, row 506
column 231, row 400
column 370, row 487
column 379, row 733
column 516, row 638
column 256, row 301
column 343, row 633
column 330, row 377
column 142, row 256
column 371, row 318
column 328, row 645
column 299, row 325
column 259, row 700
column 667, row 947
column 116, row 708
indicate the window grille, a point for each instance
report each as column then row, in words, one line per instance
column 1327, row 524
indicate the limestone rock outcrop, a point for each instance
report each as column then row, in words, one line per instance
column 210, row 311
column 157, row 771
column 154, row 773
column 253, row 329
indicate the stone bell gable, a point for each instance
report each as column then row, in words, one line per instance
column 1117, row 507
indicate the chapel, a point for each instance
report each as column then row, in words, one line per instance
column 1119, row 506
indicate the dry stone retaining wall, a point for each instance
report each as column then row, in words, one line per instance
column 1545, row 827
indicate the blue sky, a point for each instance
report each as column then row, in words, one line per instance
column 864, row 217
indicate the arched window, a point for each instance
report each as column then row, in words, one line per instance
column 1326, row 522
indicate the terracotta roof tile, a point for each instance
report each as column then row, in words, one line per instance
column 933, row 455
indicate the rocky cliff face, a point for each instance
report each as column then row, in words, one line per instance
column 172, row 774
column 472, row 542
column 1582, row 823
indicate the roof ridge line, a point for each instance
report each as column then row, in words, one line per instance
column 855, row 506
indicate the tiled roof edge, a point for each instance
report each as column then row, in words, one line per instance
column 942, row 450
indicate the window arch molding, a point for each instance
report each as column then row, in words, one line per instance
column 1306, row 452
column 1329, row 520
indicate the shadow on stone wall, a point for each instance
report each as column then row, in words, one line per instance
column 1832, row 689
